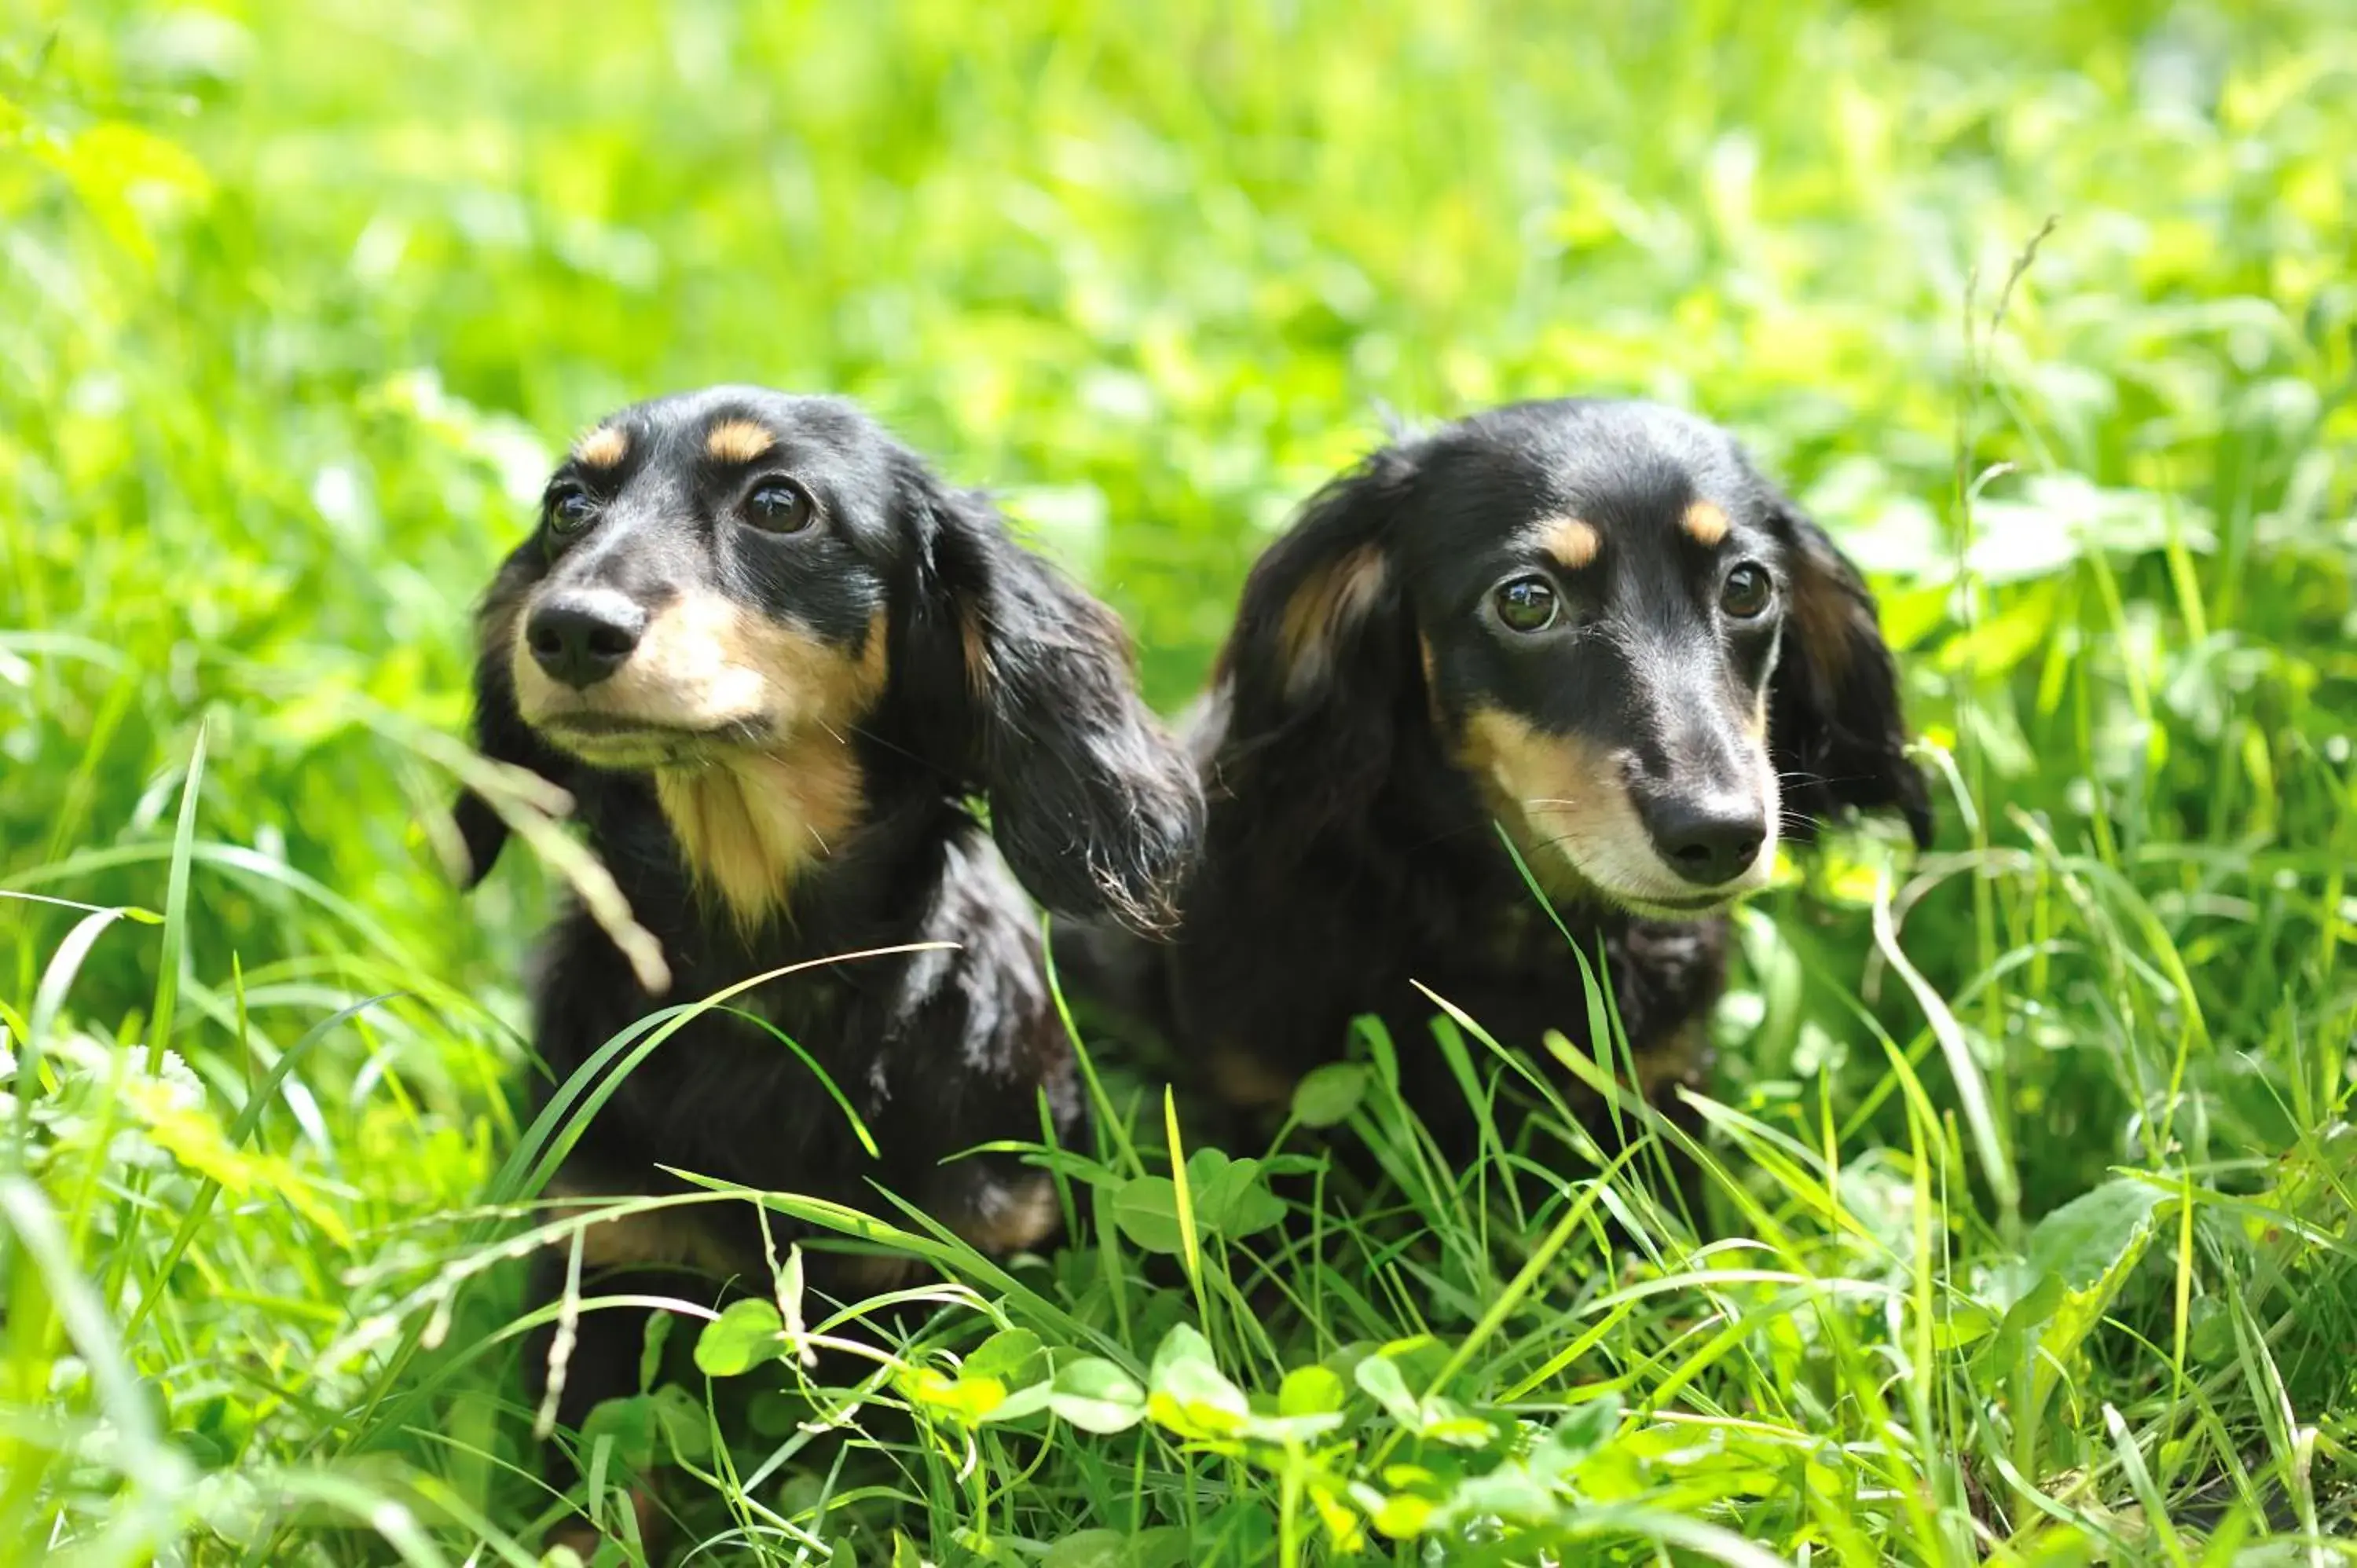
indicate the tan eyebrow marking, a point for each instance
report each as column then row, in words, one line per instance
column 1704, row 524
column 602, row 448
column 1572, row 542
column 737, row 441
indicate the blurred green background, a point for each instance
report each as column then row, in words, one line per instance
column 299, row 297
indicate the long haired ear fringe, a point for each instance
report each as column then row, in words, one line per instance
column 1095, row 808
column 1310, row 600
column 1836, row 725
column 1310, row 681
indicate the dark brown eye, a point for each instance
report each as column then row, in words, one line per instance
column 570, row 510
column 1747, row 591
column 779, row 506
column 1527, row 604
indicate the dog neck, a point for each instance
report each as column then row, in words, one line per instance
column 750, row 828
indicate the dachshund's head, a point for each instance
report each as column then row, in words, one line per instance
column 1645, row 660
column 758, row 600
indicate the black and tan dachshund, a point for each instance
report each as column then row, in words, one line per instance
column 772, row 657
column 1591, row 623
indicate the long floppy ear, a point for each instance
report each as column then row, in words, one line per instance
column 1320, row 659
column 1033, row 696
column 1836, row 729
column 500, row 732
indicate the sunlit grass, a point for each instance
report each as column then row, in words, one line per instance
column 2027, row 1164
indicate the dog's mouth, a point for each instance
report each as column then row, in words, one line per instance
column 1661, row 903
column 1611, row 860
column 707, row 682
column 1686, row 904
column 1564, row 799
column 1658, row 908
column 611, row 739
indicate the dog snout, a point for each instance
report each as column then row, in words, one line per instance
column 583, row 636
column 1709, row 838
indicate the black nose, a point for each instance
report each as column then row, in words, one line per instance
column 1706, row 839
column 583, row 636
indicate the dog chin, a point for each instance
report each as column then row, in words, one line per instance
column 1668, row 903
column 626, row 742
column 1692, row 908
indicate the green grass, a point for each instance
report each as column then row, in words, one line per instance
column 2031, row 1158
